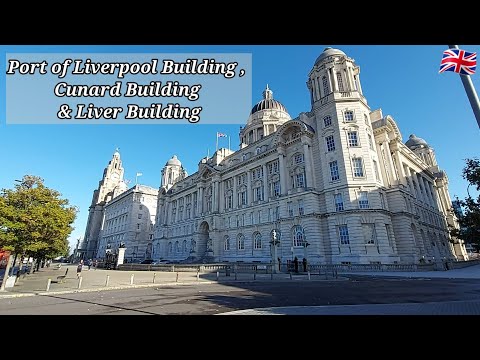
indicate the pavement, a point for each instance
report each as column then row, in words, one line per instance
column 96, row 280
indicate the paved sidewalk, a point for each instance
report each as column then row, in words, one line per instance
column 470, row 272
column 95, row 280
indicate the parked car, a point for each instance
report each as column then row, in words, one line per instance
column 147, row 261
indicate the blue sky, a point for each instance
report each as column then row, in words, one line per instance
column 402, row 80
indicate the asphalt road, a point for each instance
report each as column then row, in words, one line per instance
column 220, row 298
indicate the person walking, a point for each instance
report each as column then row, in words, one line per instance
column 295, row 263
column 89, row 263
column 79, row 268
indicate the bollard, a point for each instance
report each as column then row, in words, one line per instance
column 131, row 279
column 291, row 278
column 198, row 275
column 308, row 275
column 79, row 282
column 154, row 274
column 108, row 280
column 218, row 275
column 49, row 281
column 176, row 280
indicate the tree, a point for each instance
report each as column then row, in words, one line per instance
column 470, row 220
column 35, row 220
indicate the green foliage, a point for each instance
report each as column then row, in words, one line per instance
column 35, row 220
column 470, row 221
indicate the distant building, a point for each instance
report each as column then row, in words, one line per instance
column 129, row 218
column 334, row 185
column 109, row 187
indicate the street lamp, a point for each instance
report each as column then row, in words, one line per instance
column 273, row 245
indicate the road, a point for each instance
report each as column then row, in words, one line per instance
column 219, row 298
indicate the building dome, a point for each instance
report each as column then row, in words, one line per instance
column 329, row 52
column 268, row 103
column 173, row 161
column 414, row 142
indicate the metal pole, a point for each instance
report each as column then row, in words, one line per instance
column 471, row 93
column 48, row 284
column 131, row 279
column 79, row 282
column 154, row 274
column 108, row 280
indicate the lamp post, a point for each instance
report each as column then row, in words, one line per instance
column 305, row 245
column 273, row 246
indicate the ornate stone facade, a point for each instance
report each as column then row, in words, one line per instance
column 334, row 185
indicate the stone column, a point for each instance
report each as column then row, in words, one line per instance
column 200, row 200
column 308, row 163
column 266, row 195
column 333, row 79
column 318, row 87
column 221, row 196
column 235, row 195
column 283, row 175
column 390, row 163
column 215, row 195
column 249, row 188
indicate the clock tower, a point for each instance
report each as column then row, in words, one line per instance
column 110, row 186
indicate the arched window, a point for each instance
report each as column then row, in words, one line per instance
column 326, row 90
column 257, row 241
column 169, row 248
column 177, row 247
column 226, row 243
column 240, row 242
column 298, row 236
column 185, row 246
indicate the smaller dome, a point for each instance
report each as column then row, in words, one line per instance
column 328, row 51
column 173, row 161
column 268, row 103
column 414, row 142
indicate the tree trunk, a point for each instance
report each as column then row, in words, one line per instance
column 7, row 270
column 13, row 265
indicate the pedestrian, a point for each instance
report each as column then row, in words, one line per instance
column 304, row 262
column 89, row 263
column 79, row 268
column 95, row 263
column 279, row 264
column 295, row 264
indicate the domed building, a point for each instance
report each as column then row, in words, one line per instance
column 335, row 185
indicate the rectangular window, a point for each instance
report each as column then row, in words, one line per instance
column 327, row 120
column 352, row 138
column 229, row 201
column 388, row 228
column 259, row 216
column 301, row 209
column 348, row 115
column 375, row 169
column 369, row 234
column 258, row 193
column 276, row 188
column 382, row 200
column 330, row 143
column 300, row 180
column 334, row 175
column 298, row 159
column 343, row 235
column 290, row 209
column 338, row 202
column 273, row 167
column 242, row 198
column 370, row 142
column 363, row 200
column 277, row 213
column 357, row 167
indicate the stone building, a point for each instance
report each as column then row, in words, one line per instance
column 129, row 218
column 109, row 187
column 336, row 184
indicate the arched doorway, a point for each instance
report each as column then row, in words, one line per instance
column 204, row 242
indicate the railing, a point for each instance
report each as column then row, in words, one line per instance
column 463, row 264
